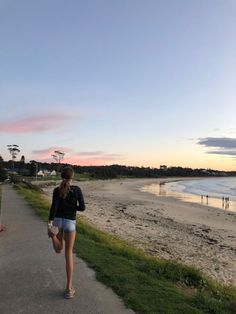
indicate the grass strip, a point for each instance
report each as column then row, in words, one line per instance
column 0, row 201
column 146, row 284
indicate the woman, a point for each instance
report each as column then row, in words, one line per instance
column 62, row 221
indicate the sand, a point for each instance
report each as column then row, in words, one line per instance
column 165, row 227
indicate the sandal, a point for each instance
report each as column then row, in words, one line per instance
column 52, row 230
column 69, row 293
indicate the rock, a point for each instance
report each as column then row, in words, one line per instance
column 206, row 230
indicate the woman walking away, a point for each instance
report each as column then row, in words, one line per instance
column 62, row 221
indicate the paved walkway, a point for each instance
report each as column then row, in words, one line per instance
column 32, row 275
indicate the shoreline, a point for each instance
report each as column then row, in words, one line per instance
column 164, row 189
column 194, row 234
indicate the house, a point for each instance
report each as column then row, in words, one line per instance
column 53, row 173
column 40, row 174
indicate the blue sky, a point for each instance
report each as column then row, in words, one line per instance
column 130, row 82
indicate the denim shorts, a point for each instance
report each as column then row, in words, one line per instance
column 67, row 225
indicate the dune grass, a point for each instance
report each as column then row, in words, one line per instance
column 146, row 284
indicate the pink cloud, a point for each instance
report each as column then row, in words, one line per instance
column 36, row 123
column 93, row 158
column 89, row 161
column 75, row 158
column 46, row 154
column 98, row 155
column 92, row 153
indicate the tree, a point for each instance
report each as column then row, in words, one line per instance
column 58, row 156
column 14, row 151
column 22, row 160
column 21, row 165
column 33, row 168
column 1, row 161
column 3, row 174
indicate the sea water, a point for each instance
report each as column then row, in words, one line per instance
column 217, row 192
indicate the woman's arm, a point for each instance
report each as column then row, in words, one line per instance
column 54, row 206
column 80, row 199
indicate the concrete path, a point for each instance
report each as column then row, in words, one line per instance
column 32, row 275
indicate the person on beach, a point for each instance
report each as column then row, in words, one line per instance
column 62, row 221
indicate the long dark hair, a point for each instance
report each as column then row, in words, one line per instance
column 64, row 188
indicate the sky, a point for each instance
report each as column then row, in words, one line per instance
column 129, row 82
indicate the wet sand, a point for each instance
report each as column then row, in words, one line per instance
column 163, row 226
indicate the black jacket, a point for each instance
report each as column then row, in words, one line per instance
column 66, row 208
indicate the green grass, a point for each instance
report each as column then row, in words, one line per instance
column 50, row 181
column 146, row 284
column 83, row 177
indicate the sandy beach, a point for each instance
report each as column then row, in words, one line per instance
column 164, row 227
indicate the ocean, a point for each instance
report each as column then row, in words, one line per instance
column 218, row 192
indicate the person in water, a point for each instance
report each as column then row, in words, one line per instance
column 66, row 200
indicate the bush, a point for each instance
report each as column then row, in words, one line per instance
column 15, row 178
column 3, row 174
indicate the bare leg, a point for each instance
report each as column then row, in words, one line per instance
column 69, row 238
column 57, row 241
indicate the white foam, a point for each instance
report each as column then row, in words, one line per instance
column 215, row 187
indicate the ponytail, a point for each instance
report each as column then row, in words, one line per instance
column 64, row 188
